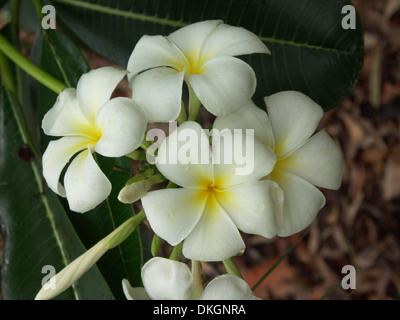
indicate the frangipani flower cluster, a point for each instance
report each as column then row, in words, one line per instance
column 216, row 192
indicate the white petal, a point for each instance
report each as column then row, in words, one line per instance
column 226, row 40
column 294, row 118
column 240, row 158
column 184, row 156
column 319, row 161
column 137, row 293
column 85, row 185
column 65, row 117
column 95, row 88
column 252, row 206
column 248, row 116
column 215, row 237
column 227, row 287
column 152, row 52
column 159, row 93
column 190, row 39
column 166, row 279
column 57, row 155
column 122, row 127
column 224, row 85
column 173, row 213
column 302, row 202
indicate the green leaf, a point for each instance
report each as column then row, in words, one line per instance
column 126, row 260
column 311, row 52
column 36, row 229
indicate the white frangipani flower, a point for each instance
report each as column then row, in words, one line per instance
column 202, row 55
column 88, row 122
column 165, row 279
column 304, row 162
column 214, row 202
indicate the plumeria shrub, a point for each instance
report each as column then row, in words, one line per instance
column 93, row 183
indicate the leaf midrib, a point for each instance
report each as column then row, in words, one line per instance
column 49, row 213
column 180, row 24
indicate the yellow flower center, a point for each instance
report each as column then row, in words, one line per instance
column 90, row 130
column 194, row 65
column 97, row 133
column 211, row 193
column 282, row 164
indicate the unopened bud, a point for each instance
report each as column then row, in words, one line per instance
column 134, row 191
column 73, row 271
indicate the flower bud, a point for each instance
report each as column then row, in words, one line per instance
column 134, row 191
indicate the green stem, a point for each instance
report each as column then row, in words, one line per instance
column 20, row 60
column 137, row 155
column 171, row 185
column 146, row 144
column 194, row 104
column 148, row 175
column 141, row 176
column 124, row 230
column 232, row 268
column 157, row 178
column 197, row 288
column 176, row 252
column 155, row 245
column 182, row 115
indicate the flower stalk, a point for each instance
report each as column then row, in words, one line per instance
column 182, row 115
column 197, row 288
column 125, row 230
column 176, row 252
column 155, row 245
column 43, row 77
column 194, row 104
column 231, row 268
